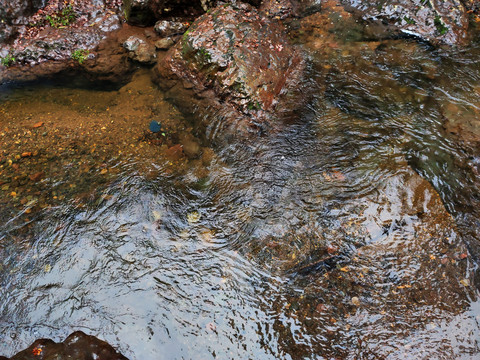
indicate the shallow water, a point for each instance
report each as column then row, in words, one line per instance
column 350, row 233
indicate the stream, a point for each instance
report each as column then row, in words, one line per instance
column 351, row 233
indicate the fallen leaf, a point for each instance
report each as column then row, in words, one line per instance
column 355, row 301
column 345, row 269
column 48, row 268
column 38, row 124
column 27, row 154
column 463, row 256
column 206, row 236
column 337, row 175
column 332, row 249
column 157, row 215
column 193, row 217
column 37, row 176
column 103, row 171
column 465, row 282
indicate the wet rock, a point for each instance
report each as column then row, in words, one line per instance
column 6, row 32
column 437, row 21
column 239, row 64
column 462, row 122
column 472, row 5
column 55, row 34
column 139, row 12
column 16, row 11
column 278, row 9
column 190, row 146
column 139, row 50
column 77, row 345
column 282, row 9
column 174, row 153
column 378, row 79
column 146, row 12
column 166, row 28
column 164, row 44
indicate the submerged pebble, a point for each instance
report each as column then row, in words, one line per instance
column 155, row 126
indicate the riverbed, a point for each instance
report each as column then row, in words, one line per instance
column 351, row 232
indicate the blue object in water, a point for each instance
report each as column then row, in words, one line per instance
column 155, row 126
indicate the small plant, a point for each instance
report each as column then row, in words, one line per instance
column 254, row 105
column 63, row 18
column 205, row 55
column 409, row 21
column 80, row 55
column 441, row 28
column 7, row 60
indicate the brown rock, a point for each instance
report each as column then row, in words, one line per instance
column 438, row 21
column 46, row 49
column 239, row 63
column 174, row 152
column 146, row 12
column 190, row 146
column 140, row 50
column 77, row 345
column 164, row 44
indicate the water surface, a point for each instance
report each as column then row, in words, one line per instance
column 350, row 233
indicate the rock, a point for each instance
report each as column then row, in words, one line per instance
column 140, row 50
column 365, row 82
column 50, row 37
column 14, row 12
column 190, row 146
column 164, row 44
column 77, row 345
column 132, row 43
column 278, row 9
column 139, row 12
column 462, row 122
column 146, row 12
column 281, row 9
column 155, row 126
column 166, row 28
column 437, row 21
column 174, row 153
column 6, row 32
column 239, row 63
column 472, row 5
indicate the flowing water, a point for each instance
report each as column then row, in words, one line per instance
column 350, row 234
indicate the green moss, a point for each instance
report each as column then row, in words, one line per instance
column 254, row 105
column 63, row 18
column 205, row 56
column 185, row 35
column 441, row 28
column 80, row 55
column 409, row 21
column 426, row 3
column 7, row 60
